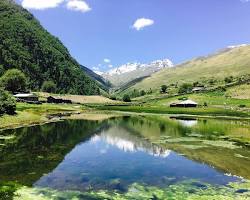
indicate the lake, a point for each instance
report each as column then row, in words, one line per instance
column 130, row 157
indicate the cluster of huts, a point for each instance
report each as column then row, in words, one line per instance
column 33, row 99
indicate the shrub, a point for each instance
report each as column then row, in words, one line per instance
column 164, row 89
column 242, row 106
column 221, row 89
column 7, row 103
column 185, row 88
column 150, row 91
column 126, row 98
column 13, row 80
column 205, row 104
column 142, row 92
column 211, row 81
column 49, row 86
column 228, row 79
column 113, row 97
column 196, row 84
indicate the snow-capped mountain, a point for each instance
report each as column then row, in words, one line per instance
column 131, row 71
column 236, row 46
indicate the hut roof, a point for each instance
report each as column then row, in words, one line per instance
column 188, row 102
column 24, row 95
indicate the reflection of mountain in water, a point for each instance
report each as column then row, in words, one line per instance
column 185, row 121
column 124, row 140
column 188, row 123
column 37, row 150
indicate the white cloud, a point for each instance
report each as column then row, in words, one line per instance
column 78, row 5
column 110, row 66
column 106, row 60
column 139, row 24
column 41, row 4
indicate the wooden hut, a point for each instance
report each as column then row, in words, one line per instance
column 185, row 104
column 26, row 97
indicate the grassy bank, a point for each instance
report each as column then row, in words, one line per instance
column 185, row 111
column 28, row 114
column 216, row 103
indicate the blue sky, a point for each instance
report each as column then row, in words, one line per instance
column 106, row 33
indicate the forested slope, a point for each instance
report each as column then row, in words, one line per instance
column 26, row 45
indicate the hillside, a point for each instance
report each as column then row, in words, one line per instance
column 123, row 75
column 103, row 82
column 26, row 45
column 232, row 61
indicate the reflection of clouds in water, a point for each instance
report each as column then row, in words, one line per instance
column 95, row 139
column 133, row 144
column 188, row 123
column 103, row 151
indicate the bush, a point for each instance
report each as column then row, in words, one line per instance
column 228, row 79
column 221, row 89
column 7, row 103
column 126, row 98
column 205, row 104
column 113, row 98
column 13, row 81
column 242, row 106
column 164, row 89
column 8, row 189
column 211, row 81
column 150, row 91
column 49, row 86
column 142, row 92
column 185, row 88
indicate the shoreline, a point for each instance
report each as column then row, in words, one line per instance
column 47, row 118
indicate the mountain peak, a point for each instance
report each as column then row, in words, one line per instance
column 236, row 46
column 129, row 67
column 131, row 71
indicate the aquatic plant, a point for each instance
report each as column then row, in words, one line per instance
column 189, row 190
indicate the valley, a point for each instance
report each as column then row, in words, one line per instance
column 73, row 129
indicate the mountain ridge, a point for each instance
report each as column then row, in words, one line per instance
column 126, row 73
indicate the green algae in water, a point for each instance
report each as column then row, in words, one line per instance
column 221, row 143
column 8, row 189
column 189, row 190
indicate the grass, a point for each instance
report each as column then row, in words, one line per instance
column 239, row 92
column 79, row 98
column 218, row 104
column 28, row 114
column 215, row 99
column 203, row 111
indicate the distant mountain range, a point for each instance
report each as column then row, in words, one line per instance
column 124, row 74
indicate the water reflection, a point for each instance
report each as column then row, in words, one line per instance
column 116, row 157
column 113, row 153
column 188, row 122
column 127, row 142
